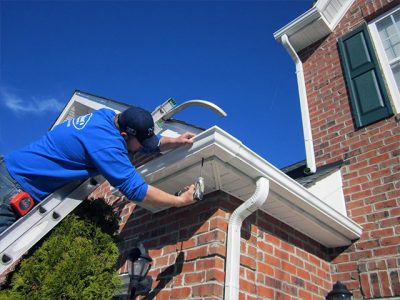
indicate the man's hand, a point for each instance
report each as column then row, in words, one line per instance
column 158, row 198
column 186, row 198
column 167, row 143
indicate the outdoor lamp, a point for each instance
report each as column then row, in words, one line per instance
column 339, row 292
column 139, row 263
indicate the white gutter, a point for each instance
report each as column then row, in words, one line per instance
column 314, row 217
column 232, row 273
column 305, row 116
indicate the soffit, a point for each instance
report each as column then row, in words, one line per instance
column 231, row 167
column 314, row 24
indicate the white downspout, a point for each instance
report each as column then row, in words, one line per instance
column 233, row 240
column 305, row 116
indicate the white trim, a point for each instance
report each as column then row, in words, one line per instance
column 321, row 222
column 300, row 22
column 330, row 190
column 305, row 114
column 322, row 6
column 384, row 62
column 314, row 24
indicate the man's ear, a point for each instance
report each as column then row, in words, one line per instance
column 124, row 135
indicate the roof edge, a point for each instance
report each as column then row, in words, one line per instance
column 216, row 142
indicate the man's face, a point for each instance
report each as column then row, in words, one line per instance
column 132, row 143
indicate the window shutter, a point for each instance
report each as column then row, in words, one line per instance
column 367, row 92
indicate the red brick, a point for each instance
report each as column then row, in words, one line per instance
column 247, row 286
column 274, row 240
column 390, row 241
column 346, row 267
column 273, row 261
column 248, row 262
column 192, row 278
column 206, row 290
column 385, row 284
column 265, row 293
column 386, row 251
column 303, row 274
column 180, row 293
column 382, row 233
column 265, row 269
column 197, row 253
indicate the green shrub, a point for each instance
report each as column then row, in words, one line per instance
column 76, row 261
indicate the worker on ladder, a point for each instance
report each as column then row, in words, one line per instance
column 97, row 143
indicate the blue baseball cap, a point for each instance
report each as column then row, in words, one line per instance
column 138, row 122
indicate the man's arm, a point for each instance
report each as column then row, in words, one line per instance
column 159, row 198
column 167, row 143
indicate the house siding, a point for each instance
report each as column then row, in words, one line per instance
column 371, row 171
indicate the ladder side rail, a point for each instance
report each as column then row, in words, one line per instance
column 35, row 215
column 47, row 222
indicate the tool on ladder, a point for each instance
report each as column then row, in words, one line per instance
column 38, row 220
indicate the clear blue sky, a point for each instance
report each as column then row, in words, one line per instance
column 143, row 52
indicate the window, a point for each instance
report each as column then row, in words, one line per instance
column 367, row 90
column 385, row 32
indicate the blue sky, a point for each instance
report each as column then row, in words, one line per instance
column 143, row 52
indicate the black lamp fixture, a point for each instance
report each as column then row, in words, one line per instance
column 339, row 292
column 139, row 264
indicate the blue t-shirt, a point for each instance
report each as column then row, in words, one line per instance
column 77, row 149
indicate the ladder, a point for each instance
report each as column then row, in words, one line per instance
column 16, row 240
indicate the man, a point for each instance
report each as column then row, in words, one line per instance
column 97, row 143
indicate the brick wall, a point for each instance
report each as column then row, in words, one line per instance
column 371, row 174
column 188, row 246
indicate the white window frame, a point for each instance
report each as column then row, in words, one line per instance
column 383, row 60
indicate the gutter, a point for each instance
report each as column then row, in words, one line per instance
column 224, row 153
column 232, row 261
column 305, row 116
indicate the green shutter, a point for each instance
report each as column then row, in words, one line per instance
column 368, row 96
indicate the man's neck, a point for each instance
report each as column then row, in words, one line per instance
column 116, row 121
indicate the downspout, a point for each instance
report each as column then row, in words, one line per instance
column 305, row 116
column 233, row 240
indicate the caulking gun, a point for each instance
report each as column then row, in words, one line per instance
column 198, row 190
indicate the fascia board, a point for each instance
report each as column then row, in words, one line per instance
column 299, row 23
column 91, row 101
column 215, row 142
column 95, row 102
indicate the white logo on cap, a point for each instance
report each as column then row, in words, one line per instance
column 80, row 122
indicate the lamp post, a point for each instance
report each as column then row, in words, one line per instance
column 139, row 264
column 339, row 292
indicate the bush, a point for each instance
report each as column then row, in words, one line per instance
column 76, row 261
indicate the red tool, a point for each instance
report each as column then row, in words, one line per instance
column 22, row 203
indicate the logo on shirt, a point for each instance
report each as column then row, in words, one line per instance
column 80, row 122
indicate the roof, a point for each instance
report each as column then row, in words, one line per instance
column 296, row 172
